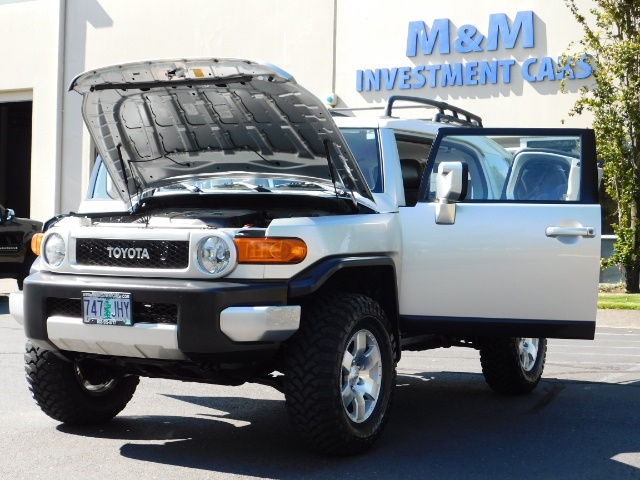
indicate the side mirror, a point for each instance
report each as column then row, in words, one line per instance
column 451, row 186
column 8, row 215
column 452, row 181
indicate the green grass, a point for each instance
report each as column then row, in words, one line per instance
column 621, row 301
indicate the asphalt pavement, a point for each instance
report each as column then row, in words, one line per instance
column 582, row 422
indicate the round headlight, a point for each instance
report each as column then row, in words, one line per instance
column 214, row 255
column 54, row 250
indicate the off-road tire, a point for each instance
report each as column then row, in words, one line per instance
column 503, row 369
column 314, row 375
column 57, row 389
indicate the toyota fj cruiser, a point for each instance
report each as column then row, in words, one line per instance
column 261, row 234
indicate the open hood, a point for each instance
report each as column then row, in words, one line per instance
column 164, row 121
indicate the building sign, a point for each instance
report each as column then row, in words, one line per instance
column 468, row 40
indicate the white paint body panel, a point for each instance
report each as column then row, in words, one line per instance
column 372, row 234
column 495, row 261
column 367, row 234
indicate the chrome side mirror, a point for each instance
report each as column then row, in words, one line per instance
column 10, row 215
column 451, row 186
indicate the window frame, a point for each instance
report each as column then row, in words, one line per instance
column 588, row 160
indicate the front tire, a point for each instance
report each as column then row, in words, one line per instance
column 513, row 366
column 340, row 373
column 76, row 393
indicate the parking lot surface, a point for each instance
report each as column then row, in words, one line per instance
column 582, row 422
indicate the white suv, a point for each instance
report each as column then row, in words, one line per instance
column 256, row 234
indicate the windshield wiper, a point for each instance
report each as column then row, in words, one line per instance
column 303, row 186
column 191, row 188
column 243, row 185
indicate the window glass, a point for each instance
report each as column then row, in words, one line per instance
column 413, row 153
column 514, row 168
column 363, row 143
column 100, row 187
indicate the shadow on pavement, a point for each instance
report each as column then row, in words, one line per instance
column 443, row 425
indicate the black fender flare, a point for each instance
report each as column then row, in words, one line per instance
column 310, row 280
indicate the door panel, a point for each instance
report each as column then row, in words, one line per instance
column 508, row 259
column 496, row 261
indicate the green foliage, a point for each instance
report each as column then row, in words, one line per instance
column 619, row 301
column 612, row 44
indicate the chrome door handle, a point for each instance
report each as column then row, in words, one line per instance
column 570, row 232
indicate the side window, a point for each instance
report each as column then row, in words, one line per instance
column 542, row 175
column 413, row 153
column 451, row 151
column 513, row 168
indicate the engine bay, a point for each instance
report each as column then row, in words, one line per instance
column 227, row 211
column 208, row 218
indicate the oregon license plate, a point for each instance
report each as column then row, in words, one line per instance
column 106, row 308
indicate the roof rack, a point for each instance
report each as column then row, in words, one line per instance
column 469, row 120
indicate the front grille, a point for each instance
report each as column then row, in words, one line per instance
column 65, row 307
column 155, row 312
column 143, row 312
column 166, row 254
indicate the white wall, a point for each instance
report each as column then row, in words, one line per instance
column 372, row 35
column 29, row 53
column 321, row 42
column 294, row 35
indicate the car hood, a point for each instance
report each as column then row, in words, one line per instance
column 164, row 121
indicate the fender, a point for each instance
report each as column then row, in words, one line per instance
column 314, row 277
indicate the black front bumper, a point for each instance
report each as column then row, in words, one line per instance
column 198, row 302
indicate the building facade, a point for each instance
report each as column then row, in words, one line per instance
column 498, row 59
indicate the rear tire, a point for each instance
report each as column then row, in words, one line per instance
column 76, row 393
column 340, row 373
column 513, row 366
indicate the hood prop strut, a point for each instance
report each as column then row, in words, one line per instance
column 134, row 208
column 333, row 175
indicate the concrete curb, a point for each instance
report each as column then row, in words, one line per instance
column 618, row 318
column 7, row 286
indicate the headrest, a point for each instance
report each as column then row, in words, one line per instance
column 411, row 173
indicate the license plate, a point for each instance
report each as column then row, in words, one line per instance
column 106, row 308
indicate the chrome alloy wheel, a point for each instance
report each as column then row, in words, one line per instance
column 528, row 352
column 94, row 388
column 361, row 376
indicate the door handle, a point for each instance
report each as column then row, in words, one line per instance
column 554, row 232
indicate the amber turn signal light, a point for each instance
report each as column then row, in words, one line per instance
column 36, row 243
column 270, row 250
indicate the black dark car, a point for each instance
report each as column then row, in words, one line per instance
column 16, row 257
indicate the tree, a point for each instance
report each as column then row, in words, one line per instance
column 612, row 44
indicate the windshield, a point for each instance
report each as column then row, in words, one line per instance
column 101, row 186
column 363, row 143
